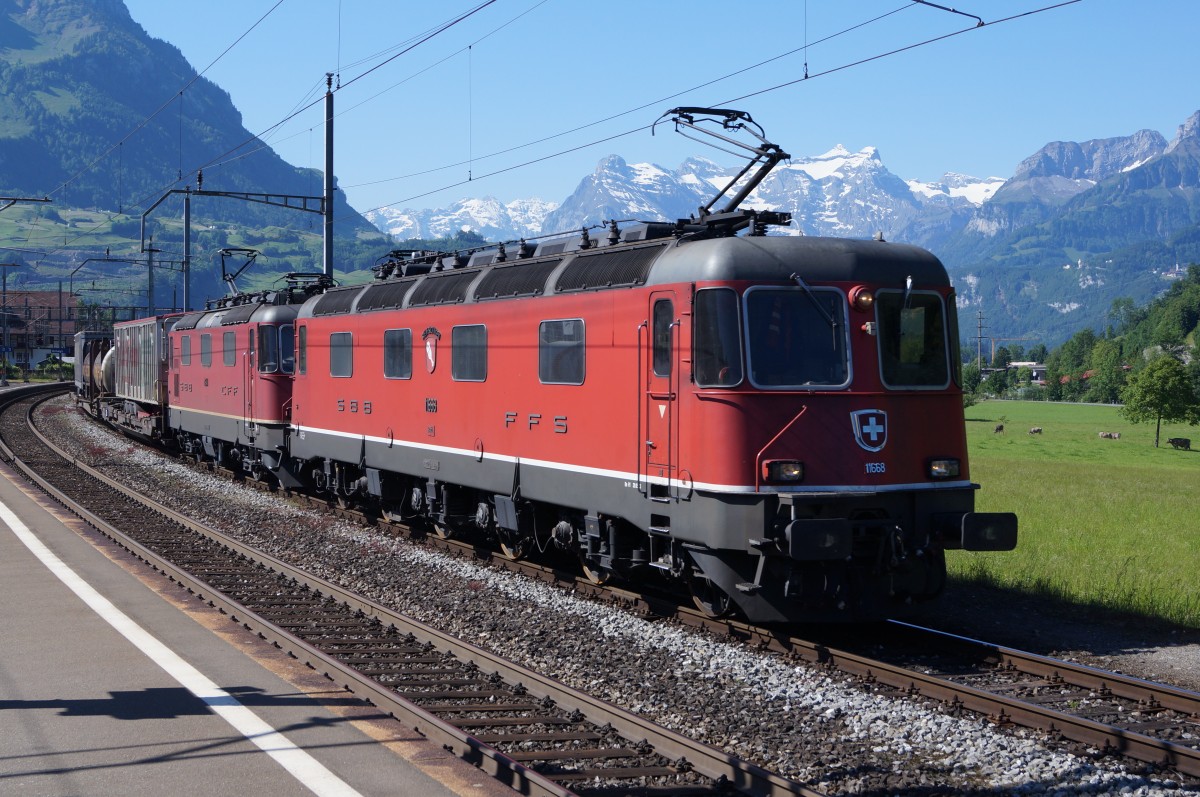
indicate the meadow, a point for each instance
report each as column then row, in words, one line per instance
column 1103, row 523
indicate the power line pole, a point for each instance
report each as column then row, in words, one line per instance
column 979, row 340
column 4, row 310
column 327, row 247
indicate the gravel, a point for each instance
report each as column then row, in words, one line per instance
column 802, row 721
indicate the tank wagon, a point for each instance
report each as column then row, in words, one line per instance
column 771, row 422
column 90, row 348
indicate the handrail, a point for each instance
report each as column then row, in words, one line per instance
column 761, row 451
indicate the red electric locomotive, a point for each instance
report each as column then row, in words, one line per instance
column 775, row 422
column 231, row 380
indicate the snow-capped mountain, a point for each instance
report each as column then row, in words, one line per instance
column 836, row 193
column 1058, row 172
column 488, row 216
column 952, row 186
column 1042, row 253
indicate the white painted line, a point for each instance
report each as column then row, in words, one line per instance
column 306, row 769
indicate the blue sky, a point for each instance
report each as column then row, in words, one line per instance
column 519, row 71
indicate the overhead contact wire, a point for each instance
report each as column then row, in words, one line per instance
column 709, row 83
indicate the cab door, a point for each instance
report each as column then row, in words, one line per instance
column 660, row 396
column 249, row 382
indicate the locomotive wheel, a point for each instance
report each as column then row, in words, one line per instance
column 709, row 598
column 595, row 574
column 515, row 548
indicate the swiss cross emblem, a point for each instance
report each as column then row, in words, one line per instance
column 870, row 428
column 431, row 336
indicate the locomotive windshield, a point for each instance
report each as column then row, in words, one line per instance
column 717, row 342
column 796, row 337
column 912, row 339
column 276, row 349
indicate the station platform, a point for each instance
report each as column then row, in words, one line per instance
column 113, row 681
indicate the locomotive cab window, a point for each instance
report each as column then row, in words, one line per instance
column 229, row 348
column 468, row 353
column 341, row 354
column 912, row 340
column 664, row 315
column 796, row 338
column 397, row 353
column 561, row 352
column 275, row 349
column 716, row 339
column 287, row 348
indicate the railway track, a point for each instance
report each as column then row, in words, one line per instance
column 1115, row 714
column 527, row 730
column 1108, row 712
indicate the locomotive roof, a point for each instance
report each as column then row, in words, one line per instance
column 776, row 258
column 259, row 312
column 770, row 259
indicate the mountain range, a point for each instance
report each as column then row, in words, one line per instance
column 1035, row 256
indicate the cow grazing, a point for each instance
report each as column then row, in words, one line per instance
column 1035, row 430
column 999, row 428
column 1111, row 435
column 1180, row 442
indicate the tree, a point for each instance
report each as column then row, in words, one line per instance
column 1123, row 313
column 971, row 377
column 1161, row 391
column 997, row 382
column 1038, row 353
column 1108, row 377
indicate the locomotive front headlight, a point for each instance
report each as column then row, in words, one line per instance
column 943, row 468
column 862, row 299
column 783, row 470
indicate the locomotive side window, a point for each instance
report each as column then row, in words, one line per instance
column 287, row 348
column 341, row 354
column 664, row 314
column 717, row 339
column 185, row 350
column 397, row 353
column 268, row 349
column 952, row 328
column 206, row 349
column 468, row 353
column 912, row 339
column 229, row 348
column 275, row 349
column 561, row 352
column 302, row 352
column 796, row 337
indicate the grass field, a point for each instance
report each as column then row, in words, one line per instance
column 1109, row 523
